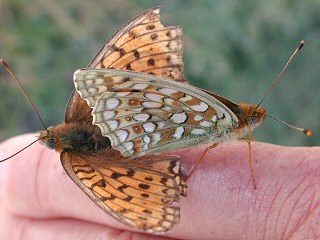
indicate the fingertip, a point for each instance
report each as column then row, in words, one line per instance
column 26, row 173
column 14, row 144
column 7, row 149
column 3, row 176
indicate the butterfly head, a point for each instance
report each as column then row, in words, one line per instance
column 51, row 139
column 47, row 138
column 250, row 116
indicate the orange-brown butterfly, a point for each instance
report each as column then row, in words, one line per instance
column 139, row 192
column 143, row 114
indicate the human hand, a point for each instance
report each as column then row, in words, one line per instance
column 39, row 200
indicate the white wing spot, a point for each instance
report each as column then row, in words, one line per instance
column 206, row 124
column 179, row 132
column 140, row 86
column 99, row 81
column 167, row 91
column 198, row 131
column 122, row 135
column 128, row 146
column 89, row 82
column 113, row 124
column 201, row 107
column 92, row 91
column 141, row 117
column 146, row 139
column 198, row 118
column 149, row 127
column 108, row 114
column 179, row 117
column 137, row 109
column 122, row 94
column 186, row 98
column 112, row 103
column 154, row 97
column 214, row 118
column 114, row 79
column 168, row 101
column 151, row 104
column 90, row 74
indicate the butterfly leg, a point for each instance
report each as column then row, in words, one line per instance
column 250, row 136
column 200, row 159
column 254, row 181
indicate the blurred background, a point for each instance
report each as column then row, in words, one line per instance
column 233, row 48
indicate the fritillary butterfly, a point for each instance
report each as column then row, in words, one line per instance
column 143, row 114
column 138, row 192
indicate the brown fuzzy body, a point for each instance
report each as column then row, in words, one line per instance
column 75, row 137
column 77, row 133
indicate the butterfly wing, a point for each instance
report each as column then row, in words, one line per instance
column 138, row 192
column 145, row 45
column 148, row 114
column 141, row 45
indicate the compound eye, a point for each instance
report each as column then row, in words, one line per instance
column 253, row 120
column 51, row 143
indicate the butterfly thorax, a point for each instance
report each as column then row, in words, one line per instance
column 249, row 117
column 74, row 137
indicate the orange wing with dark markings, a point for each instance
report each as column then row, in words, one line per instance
column 145, row 45
column 138, row 192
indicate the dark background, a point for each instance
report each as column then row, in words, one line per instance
column 233, row 48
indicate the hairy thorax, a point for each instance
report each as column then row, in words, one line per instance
column 74, row 137
column 249, row 116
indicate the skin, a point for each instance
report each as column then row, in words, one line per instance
column 39, row 200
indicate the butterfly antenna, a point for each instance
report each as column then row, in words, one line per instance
column 23, row 91
column 21, row 150
column 305, row 131
column 283, row 71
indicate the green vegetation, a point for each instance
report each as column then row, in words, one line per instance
column 233, row 48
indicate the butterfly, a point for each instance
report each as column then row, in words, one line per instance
column 143, row 114
column 139, row 192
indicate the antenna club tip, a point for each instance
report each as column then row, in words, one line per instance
column 3, row 62
column 307, row 132
column 301, row 44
